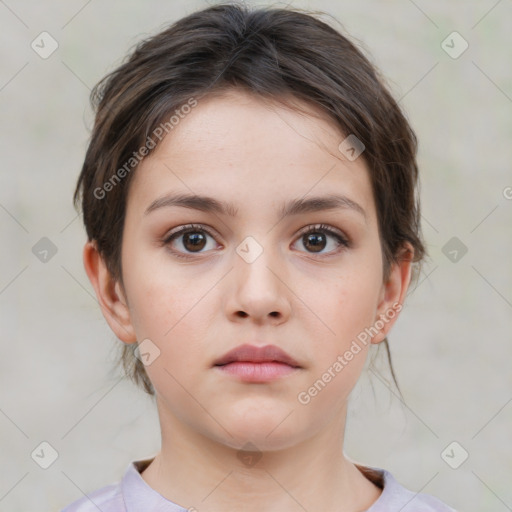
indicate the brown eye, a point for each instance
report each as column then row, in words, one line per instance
column 315, row 241
column 318, row 238
column 189, row 240
column 194, row 241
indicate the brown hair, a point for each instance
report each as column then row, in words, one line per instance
column 270, row 52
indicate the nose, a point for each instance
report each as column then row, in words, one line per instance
column 259, row 290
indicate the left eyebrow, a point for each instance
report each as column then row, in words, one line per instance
column 294, row 207
column 320, row 203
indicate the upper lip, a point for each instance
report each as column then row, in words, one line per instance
column 255, row 354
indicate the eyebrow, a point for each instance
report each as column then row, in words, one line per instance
column 294, row 207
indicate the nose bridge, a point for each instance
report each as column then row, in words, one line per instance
column 259, row 288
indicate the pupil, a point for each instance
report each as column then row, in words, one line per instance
column 196, row 240
column 317, row 240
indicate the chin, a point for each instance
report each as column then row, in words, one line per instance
column 262, row 428
column 258, row 442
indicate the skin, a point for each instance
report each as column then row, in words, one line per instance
column 256, row 155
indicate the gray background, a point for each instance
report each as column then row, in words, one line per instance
column 451, row 346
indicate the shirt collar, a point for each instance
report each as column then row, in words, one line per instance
column 138, row 495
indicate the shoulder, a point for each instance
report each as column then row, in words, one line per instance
column 106, row 499
column 130, row 494
column 396, row 497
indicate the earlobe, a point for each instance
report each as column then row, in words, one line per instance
column 109, row 294
column 393, row 293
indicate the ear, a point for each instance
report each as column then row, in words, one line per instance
column 393, row 293
column 111, row 298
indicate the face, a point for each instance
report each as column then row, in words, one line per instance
column 241, row 273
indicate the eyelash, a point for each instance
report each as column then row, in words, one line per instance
column 193, row 228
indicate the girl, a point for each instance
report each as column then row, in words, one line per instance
column 249, row 196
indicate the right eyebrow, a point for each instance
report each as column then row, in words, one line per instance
column 194, row 201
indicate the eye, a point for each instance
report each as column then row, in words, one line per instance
column 191, row 239
column 316, row 239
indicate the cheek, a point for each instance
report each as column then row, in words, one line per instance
column 167, row 311
column 174, row 319
column 175, row 309
column 159, row 293
column 346, row 305
column 346, row 309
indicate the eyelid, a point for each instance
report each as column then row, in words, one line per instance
column 313, row 228
column 180, row 230
column 343, row 241
column 189, row 227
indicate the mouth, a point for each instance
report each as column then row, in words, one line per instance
column 251, row 363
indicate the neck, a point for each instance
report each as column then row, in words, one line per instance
column 199, row 473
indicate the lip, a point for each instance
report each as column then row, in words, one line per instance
column 254, row 354
column 251, row 363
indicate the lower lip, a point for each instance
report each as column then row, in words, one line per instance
column 257, row 372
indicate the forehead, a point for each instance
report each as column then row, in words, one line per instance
column 238, row 125
column 250, row 152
